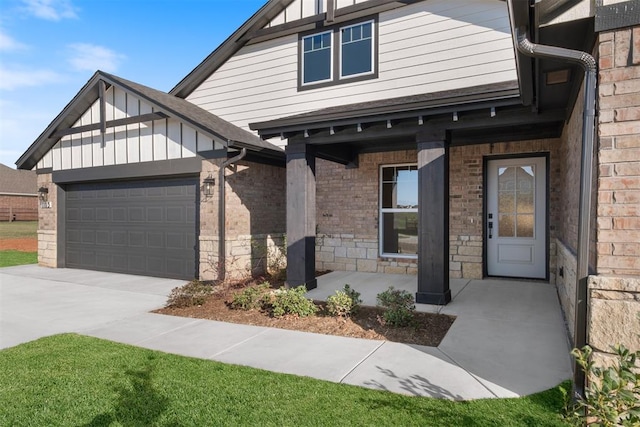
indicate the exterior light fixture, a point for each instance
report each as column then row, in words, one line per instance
column 207, row 185
column 43, row 196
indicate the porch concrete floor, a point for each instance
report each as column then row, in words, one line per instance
column 509, row 335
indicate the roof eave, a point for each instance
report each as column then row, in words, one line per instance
column 364, row 115
column 27, row 160
column 228, row 48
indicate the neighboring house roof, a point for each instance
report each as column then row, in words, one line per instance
column 506, row 93
column 169, row 104
column 14, row 181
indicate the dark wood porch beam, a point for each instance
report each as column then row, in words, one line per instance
column 301, row 216
column 112, row 123
column 433, row 219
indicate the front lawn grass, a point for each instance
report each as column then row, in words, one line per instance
column 76, row 380
column 10, row 258
column 17, row 229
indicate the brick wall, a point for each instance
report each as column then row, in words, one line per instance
column 255, row 219
column 347, row 209
column 618, row 236
column 614, row 293
column 347, row 215
column 47, row 225
column 18, row 208
column 466, row 192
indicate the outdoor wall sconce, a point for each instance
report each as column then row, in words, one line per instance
column 207, row 185
column 43, row 196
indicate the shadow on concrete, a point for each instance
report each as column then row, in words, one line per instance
column 415, row 385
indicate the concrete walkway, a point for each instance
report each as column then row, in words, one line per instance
column 508, row 339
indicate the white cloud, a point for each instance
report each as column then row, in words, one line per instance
column 86, row 56
column 14, row 78
column 51, row 10
column 8, row 43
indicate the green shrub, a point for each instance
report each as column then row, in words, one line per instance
column 399, row 306
column 612, row 397
column 344, row 303
column 289, row 301
column 193, row 293
column 250, row 298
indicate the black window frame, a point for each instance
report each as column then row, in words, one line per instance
column 336, row 53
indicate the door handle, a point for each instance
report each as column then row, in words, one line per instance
column 490, row 225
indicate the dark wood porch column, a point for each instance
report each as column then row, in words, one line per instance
column 301, row 216
column 433, row 220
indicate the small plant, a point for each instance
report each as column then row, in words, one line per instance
column 290, row 301
column 250, row 298
column 344, row 303
column 193, row 293
column 612, row 397
column 399, row 306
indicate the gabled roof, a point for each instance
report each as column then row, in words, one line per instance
column 229, row 47
column 253, row 30
column 17, row 181
column 178, row 108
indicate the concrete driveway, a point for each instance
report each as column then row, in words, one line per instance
column 37, row 301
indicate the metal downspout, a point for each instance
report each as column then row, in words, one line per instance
column 588, row 63
column 222, row 247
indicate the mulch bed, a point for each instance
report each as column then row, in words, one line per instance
column 427, row 329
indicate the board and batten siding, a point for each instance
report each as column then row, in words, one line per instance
column 299, row 9
column 425, row 47
column 134, row 143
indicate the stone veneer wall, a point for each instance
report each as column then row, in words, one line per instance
column 347, row 209
column 255, row 219
column 614, row 312
column 47, row 225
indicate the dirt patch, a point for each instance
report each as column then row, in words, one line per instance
column 19, row 244
column 427, row 329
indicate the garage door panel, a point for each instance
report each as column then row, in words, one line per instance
column 89, row 258
column 88, row 236
column 155, row 214
column 138, row 227
column 73, row 214
column 102, row 214
column 103, row 237
column 155, row 239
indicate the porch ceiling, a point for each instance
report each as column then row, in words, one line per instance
column 341, row 141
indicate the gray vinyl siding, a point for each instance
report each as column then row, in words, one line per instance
column 134, row 143
column 425, row 47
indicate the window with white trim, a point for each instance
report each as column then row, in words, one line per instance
column 399, row 211
column 316, row 58
column 338, row 55
column 356, row 50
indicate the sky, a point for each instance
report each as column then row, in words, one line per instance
column 50, row 48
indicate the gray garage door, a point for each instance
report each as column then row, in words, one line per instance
column 136, row 227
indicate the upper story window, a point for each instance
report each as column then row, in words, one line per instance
column 338, row 55
column 356, row 50
column 316, row 58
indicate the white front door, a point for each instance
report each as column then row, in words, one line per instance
column 516, row 236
